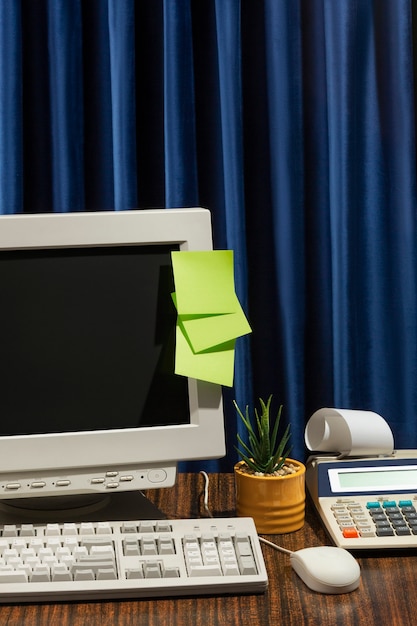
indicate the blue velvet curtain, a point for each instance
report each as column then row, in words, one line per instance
column 292, row 120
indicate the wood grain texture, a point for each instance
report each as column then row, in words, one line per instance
column 387, row 593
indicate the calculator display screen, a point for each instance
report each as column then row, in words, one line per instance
column 373, row 479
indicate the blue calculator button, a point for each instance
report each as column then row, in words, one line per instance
column 373, row 505
column 389, row 504
column 402, row 503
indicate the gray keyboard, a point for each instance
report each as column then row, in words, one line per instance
column 131, row 559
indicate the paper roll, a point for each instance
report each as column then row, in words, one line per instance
column 349, row 432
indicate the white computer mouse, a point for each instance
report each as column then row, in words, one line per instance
column 326, row 569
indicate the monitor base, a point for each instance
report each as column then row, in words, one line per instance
column 127, row 505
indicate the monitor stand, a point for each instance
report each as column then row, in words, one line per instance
column 126, row 505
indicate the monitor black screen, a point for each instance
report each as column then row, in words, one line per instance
column 87, row 340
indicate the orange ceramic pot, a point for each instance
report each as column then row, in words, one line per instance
column 276, row 503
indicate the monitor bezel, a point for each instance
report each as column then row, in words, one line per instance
column 56, row 455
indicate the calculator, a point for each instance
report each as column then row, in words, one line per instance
column 366, row 503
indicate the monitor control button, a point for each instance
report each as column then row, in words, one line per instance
column 157, row 476
column 13, row 486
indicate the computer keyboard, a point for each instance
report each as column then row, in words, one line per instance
column 131, row 559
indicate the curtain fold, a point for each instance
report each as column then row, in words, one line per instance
column 10, row 108
column 293, row 121
column 66, row 105
column 123, row 117
column 181, row 184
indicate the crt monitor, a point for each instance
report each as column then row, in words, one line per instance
column 89, row 401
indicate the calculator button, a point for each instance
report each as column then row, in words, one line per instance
column 348, row 524
column 384, row 532
column 408, row 509
column 355, row 509
column 390, row 510
column 383, row 524
column 362, row 525
column 350, row 533
column 367, row 532
column 405, row 503
column 344, row 518
column 373, row 505
column 395, row 516
column 402, row 530
column 389, row 503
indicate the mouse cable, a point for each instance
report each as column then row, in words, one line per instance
column 209, row 513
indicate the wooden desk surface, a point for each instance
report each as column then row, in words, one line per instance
column 387, row 593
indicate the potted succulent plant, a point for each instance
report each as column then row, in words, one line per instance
column 270, row 486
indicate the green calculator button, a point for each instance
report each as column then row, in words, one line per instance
column 389, row 504
column 402, row 503
column 373, row 505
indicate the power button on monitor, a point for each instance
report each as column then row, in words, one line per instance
column 157, row 476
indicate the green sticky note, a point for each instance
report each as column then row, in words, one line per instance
column 210, row 331
column 215, row 366
column 204, row 282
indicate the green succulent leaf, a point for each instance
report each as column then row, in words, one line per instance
column 264, row 451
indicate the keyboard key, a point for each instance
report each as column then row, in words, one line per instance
column 83, row 574
column 129, row 527
column 100, row 551
column 230, row 569
column 52, row 530
column 148, row 546
column 27, row 530
column 106, row 573
column 9, row 530
column 166, row 545
column 247, row 565
column 88, row 542
column 134, row 574
column 13, row 576
column 204, row 570
column 41, row 574
column 170, row 571
column 131, row 547
column 86, row 528
column 243, row 548
column 70, row 530
column 152, row 570
column 146, row 527
column 60, row 573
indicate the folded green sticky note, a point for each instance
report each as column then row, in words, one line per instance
column 216, row 366
column 213, row 330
